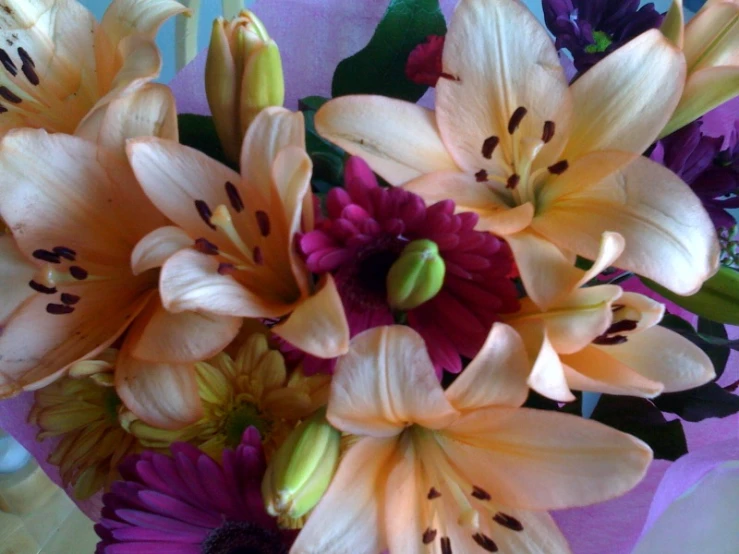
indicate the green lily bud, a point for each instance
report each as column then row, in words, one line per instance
column 416, row 276
column 717, row 300
column 302, row 468
column 243, row 75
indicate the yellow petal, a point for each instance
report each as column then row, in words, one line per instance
column 712, row 37
column 547, row 375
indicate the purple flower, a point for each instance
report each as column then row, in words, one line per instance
column 188, row 503
column 711, row 172
column 592, row 29
column 367, row 228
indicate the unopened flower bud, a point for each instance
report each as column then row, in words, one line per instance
column 416, row 276
column 243, row 75
column 302, row 468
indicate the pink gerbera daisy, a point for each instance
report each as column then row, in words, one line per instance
column 365, row 231
column 189, row 504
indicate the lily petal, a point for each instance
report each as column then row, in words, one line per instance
column 595, row 369
column 157, row 247
column 354, row 527
column 175, row 176
column 190, row 281
column 15, row 274
column 662, row 355
column 706, row 89
column 547, row 374
column 496, row 216
column 161, row 336
column 498, row 58
column 399, row 140
column 712, row 37
column 36, row 346
column 149, row 111
column 544, row 268
column 272, row 130
column 318, row 325
column 669, row 236
column 87, row 195
column 385, row 382
column 161, row 394
column 624, row 101
column 538, row 460
column 502, row 360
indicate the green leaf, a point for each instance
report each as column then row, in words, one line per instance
column 311, row 103
column 379, row 68
column 328, row 160
column 717, row 300
column 719, row 354
column 641, row 418
column 199, row 132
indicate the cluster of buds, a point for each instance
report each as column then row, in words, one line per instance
column 709, row 43
column 243, row 75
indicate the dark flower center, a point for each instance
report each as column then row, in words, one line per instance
column 236, row 537
column 365, row 279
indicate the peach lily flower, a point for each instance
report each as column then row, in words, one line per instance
column 457, row 470
column 240, row 232
column 59, row 64
column 547, row 166
column 710, row 42
column 76, row 212
column 602, row 339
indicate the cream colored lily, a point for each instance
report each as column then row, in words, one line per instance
column 59, row 64
column 458, row 470
column 547, row 166
column 710, row 42
column 239, row 232
column 76, row 213
column 602, row 339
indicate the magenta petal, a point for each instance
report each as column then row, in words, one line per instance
column 168, row 506
column 153, row 521
column 129, row 534
column 151, row 548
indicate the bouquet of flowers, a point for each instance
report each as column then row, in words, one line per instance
column 414, row 316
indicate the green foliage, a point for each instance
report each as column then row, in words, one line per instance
column 379, row 68
column 199, row 132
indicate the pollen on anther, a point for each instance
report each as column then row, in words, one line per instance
column 65, row 252
column 46, row 256
column 485, row 542
column 509, row 522
column 547, row 133
column 489, row 146
column 234, row 197
column 433, row 493
column 446, row 545
column 204, row 246
column 513, row 181
column 428, row 536
column 69, row 299
column 559, row 168
column 43, row 289
column 481, row 176
column 204, row 212
column 516, row 119
column 78, row 273
column 264, row 223
column 480, row 494
column 59, row 309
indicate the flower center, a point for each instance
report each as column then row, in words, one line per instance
column 452, row 500
column 365, row 281
column 236, row 537
column 623, row 322
column 602, row 41
column 515, row 172
column 241, row 417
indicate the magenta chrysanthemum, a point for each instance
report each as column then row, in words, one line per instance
column 187, row 503
column 365, row 231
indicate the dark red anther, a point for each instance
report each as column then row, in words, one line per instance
column 509, row 522
column 489, row 146
column 69, row 299
column 6, row 93
column 481, row 176
column 516, row 119
column 204, row 212
column 258, row 256
column 65, row 252
column 547, row 133
column 485, row 542
column 78, row 273
column 204, row 246
column 234, row 197
column 559, row 168
column 59, row 309
column 46, row 256
column 428, row 536
column 263, row 221
column 43, row 289
column 513, row 181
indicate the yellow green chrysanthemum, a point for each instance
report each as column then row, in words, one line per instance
column 252, row 388
column 82, row 409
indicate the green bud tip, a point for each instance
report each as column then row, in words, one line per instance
column 416, row 276
column 302, row 468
